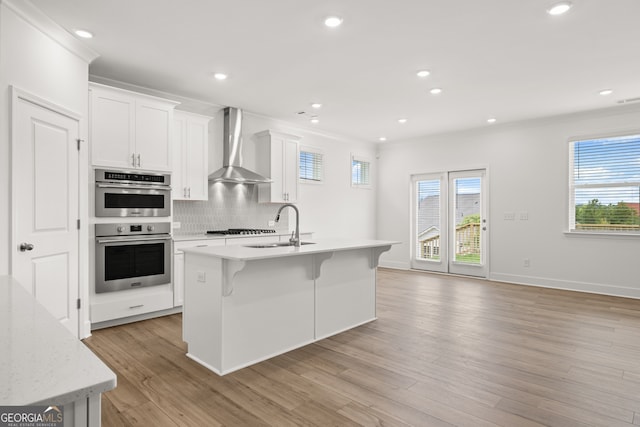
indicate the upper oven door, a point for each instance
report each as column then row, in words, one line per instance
column 119, row 200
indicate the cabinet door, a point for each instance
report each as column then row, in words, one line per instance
column 112, row 129
column 154, row 121
column 178, row 279
column 178, row 184
column 290, row 165
column 196, row 159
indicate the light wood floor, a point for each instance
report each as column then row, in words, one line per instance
column 444, row 351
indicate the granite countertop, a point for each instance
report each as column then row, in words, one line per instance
column 41, row 362
column 244, row 253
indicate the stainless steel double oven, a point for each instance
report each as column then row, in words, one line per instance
column 132, row 253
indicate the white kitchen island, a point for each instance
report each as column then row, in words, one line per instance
column 243, row 305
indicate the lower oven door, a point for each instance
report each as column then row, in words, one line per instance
column 132, row 262
column 119, row 200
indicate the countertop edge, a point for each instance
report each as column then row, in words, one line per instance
column 243, row 253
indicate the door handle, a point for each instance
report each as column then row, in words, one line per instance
column 25, row 247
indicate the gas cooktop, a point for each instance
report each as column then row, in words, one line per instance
column 243, row 231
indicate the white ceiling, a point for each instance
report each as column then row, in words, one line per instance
column 507, row 59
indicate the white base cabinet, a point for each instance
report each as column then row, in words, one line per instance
column 279, row 159
column 190, row 156
column 128, row 130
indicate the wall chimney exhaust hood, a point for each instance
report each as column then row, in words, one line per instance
column 232, row 170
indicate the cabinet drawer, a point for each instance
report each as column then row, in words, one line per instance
column 140, row 303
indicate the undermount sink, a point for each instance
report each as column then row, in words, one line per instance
column 275, row 245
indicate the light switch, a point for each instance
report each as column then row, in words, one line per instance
column 524, row 216
column 509, row 216
column 202, row 277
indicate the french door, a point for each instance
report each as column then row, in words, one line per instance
column 449, row 219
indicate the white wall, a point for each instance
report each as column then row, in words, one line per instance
column 331, row 209
column 39, row 57
column 527, row 167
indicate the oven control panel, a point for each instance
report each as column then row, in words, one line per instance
column 103, row 230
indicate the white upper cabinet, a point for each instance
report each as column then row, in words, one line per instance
column 278, row 159
column 190, row 156
column 130, row 130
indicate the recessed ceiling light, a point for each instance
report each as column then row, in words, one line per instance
column 605, row 92
column 220, row 76
column 559, row 8
column 382, row 139
column 402, row 121
column 333, row 21
column 435, row 91
column 491, row 120
column 84, row 34
column 314, row 120
column 316, row 105
column 423, row 73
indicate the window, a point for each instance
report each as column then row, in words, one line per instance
column 604, row 185
column 311, row 165
column 360, row 172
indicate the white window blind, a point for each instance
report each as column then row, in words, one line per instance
column 311, row 165
column 605, row 185
column 360, row 172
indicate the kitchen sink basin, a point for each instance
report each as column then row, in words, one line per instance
column 276, row 244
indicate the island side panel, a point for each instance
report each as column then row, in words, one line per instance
column 202, row 315
column 345, row 292
column 269, row 312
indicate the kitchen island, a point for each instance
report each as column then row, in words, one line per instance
column 247, row 303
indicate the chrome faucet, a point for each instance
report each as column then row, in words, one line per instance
column 295, row 241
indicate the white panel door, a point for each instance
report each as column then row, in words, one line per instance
column 45, row 207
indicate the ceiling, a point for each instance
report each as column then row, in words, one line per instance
column 492, row 58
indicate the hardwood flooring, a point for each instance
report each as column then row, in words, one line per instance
column 444, row 351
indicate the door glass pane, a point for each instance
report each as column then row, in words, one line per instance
column 428, row 225
column 466, row 242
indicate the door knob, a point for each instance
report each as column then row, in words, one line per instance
column 25, row 247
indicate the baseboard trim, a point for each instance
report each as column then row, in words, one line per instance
column 567, row 285
column 396, row 265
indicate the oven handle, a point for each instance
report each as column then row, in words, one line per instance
column 132, row 239
column 135, row 187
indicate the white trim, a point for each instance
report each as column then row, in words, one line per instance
column 37, row 19
column 569, row 285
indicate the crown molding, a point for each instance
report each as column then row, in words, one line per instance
column 37, row 19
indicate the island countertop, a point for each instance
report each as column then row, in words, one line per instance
column 41, row 362
column 241, row 252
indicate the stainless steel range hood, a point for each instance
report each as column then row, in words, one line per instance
column 232, row 170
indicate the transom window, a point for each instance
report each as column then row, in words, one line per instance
column 311, row 165
column 604, row 185
column 360, row 172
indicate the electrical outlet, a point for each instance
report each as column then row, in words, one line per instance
column 272, row 223
column 524, row 216
column 176, row 225
column 526, row 262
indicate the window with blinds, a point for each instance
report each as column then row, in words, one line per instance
column 604, row 185
column 360, row 172
column 311, row 165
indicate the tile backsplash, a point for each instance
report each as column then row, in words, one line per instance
column 229, row 206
